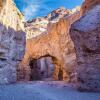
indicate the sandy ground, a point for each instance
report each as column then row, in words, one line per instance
column 44, row 91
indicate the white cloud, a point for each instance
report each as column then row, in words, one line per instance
column 30, row 11
column 31, row 8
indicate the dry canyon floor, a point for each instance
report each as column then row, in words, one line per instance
column 41, row 90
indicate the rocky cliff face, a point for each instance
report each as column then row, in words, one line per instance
column 88, row 4
column 12, row 41
column 56, row 43
column 86, row 36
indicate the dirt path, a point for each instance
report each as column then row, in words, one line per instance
column 44, row 91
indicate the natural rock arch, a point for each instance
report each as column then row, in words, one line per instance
column 42, row 53
column 57, row 68
column 57, row 44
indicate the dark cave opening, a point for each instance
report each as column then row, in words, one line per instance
column 43, row 69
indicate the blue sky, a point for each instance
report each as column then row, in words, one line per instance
column 38, row 8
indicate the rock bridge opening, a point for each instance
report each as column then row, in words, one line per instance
column 43, row 69
column 46, row 68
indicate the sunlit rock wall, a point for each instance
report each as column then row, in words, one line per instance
column 12, row 41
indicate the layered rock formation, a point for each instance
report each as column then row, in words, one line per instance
column 56, row 43
column 86, row 36
column 12, row 41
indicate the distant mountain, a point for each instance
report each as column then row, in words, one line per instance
column 39, row 25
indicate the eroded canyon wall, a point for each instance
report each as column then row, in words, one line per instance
column 86, row 36
column 12, row 41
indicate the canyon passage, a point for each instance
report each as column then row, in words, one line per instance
column 52, row 57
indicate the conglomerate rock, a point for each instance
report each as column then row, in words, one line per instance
column 86, row 37
column 55, row 43
column 12, row 41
